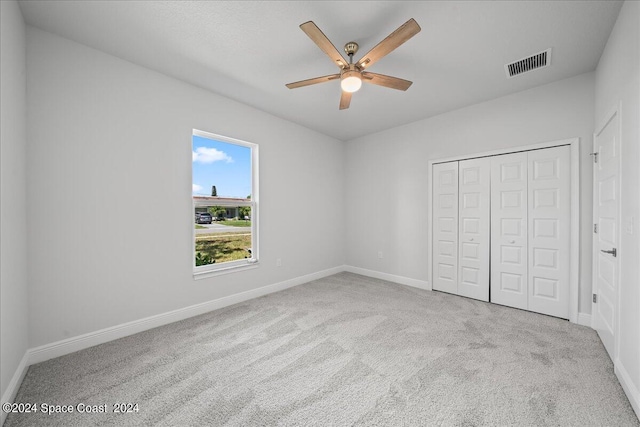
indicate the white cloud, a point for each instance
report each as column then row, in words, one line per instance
column 210, row 155
column 196, row 188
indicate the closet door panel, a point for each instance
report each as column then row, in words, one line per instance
column 509, row 249
column 445, row 227
column 549, row 230
column 473, row 233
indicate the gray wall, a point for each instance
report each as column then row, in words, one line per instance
column 110, row 141
column 13, row 201
column 618, row 83
column 387, row 180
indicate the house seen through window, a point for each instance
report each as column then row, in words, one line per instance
column 224, row 194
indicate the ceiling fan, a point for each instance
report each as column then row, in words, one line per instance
column 352, row 74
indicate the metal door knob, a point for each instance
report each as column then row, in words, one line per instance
column 512, row 241
column 471, row 239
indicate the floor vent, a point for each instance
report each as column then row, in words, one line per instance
column 530, row 63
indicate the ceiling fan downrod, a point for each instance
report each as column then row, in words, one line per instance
column 350, row 49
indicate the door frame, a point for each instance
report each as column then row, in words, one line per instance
column 614, row 111
column 574, row 281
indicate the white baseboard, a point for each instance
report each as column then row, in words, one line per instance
column 80, row 342
column 420, row 284
column 628, row 386
column 584, row 319
column 14, row 384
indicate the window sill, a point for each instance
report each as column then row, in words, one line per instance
column 198, row 275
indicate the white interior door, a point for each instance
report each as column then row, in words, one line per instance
column 445, row 227
column 549, row 230
column 605, row 212
column 474, row 183
column 509, row 248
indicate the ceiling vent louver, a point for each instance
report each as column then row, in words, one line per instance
column 530, row 63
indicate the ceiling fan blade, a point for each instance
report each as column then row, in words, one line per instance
column 345, row 100
column 386, row 81
column 312, row 81
column 323, row 43
column 393, row 40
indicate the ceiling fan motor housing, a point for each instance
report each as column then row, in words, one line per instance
column 351, row 71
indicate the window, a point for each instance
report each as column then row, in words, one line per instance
column 225, row 200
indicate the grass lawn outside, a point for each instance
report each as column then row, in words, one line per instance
column 224, row 247
column 236, row 223
column 198, row 227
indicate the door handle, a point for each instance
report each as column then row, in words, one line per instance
column 613, row 252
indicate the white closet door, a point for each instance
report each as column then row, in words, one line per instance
column 474, row 180
column 509, row 230
column 549, row 230
column 445, row 227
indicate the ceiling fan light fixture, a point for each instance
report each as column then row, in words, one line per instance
column 351, row 81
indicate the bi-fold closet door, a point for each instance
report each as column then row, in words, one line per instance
column 461, row 227
column 502, row 229
column 509, row 235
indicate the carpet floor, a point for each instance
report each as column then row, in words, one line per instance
column 340, row 351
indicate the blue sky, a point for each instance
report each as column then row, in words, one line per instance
column 227, row 166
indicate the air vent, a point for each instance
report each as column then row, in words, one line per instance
column 530, row 63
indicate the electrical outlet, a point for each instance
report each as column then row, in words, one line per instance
column 279, row 262
column 380, row 255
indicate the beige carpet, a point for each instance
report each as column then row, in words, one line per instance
column 344, row 350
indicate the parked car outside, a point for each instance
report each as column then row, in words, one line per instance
column 203, row 218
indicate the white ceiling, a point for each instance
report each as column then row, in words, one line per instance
column 247, row 51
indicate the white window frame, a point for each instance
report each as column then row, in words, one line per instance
column 204, row 271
